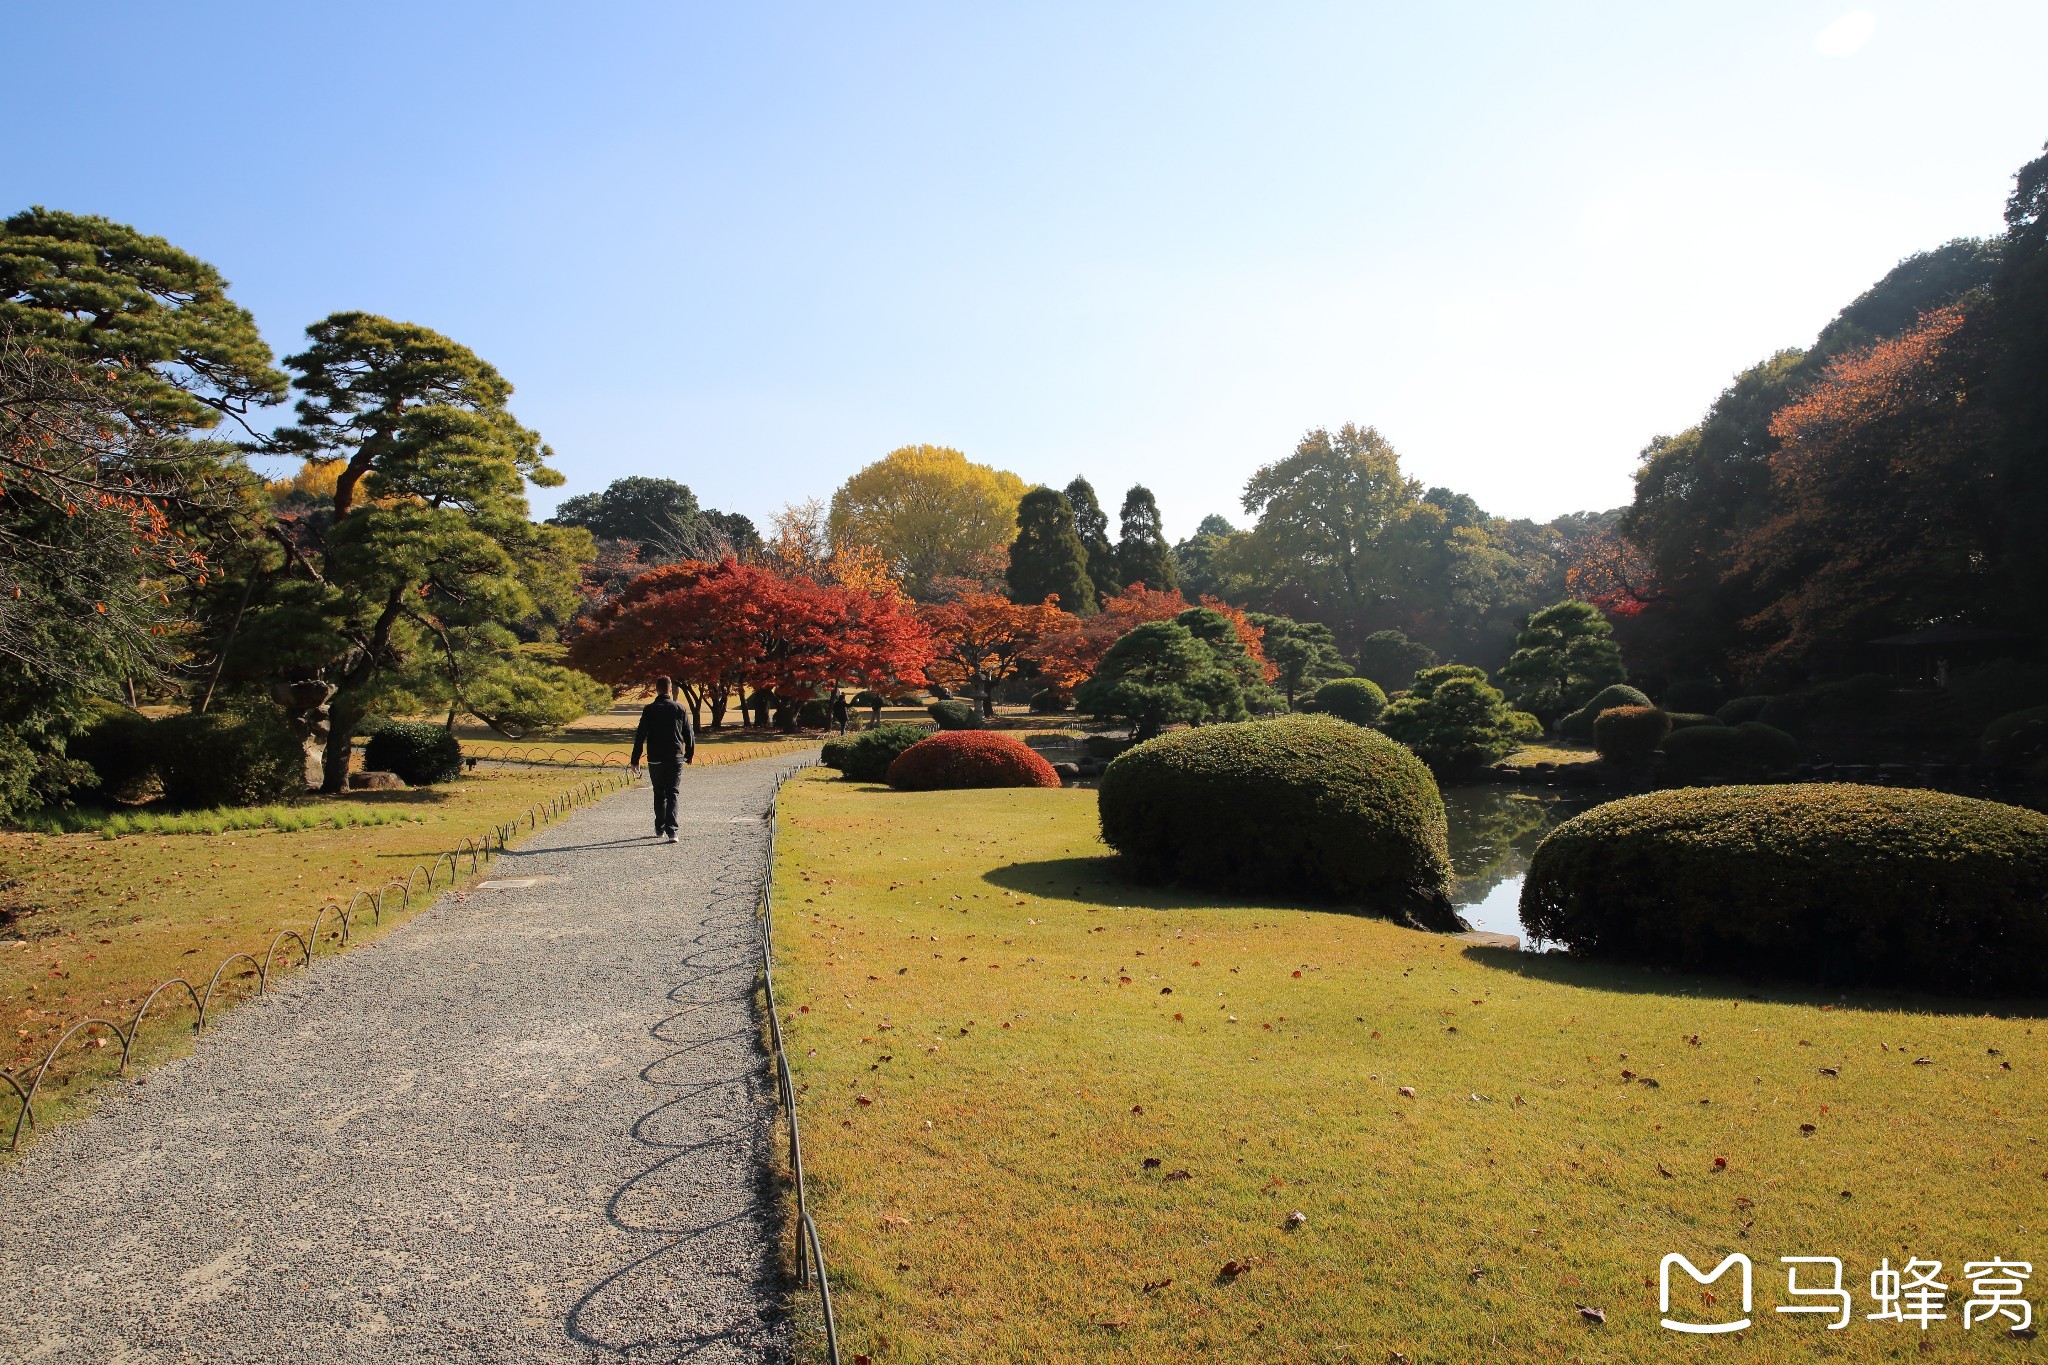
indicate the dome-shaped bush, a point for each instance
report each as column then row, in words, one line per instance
column 115, row 744
column 970, row 758
column 866, row 757
column 1579, row 724
column 2019, row 740
column 1628, row 735
column 950, row 714
column 1831, row 883
column 1525, row 726
column 420, row 752
column 1299, row 805
column 1742, row 709
column 1358, row 700
column 1724, row 753
column 1687, row 720
column 227, row 758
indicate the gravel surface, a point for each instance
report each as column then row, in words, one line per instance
column 530, row 1125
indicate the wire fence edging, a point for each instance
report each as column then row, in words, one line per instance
column 810, row 1256
column 478, row 849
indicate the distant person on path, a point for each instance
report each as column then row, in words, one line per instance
column 664, row 733
column 874, row 709
column 839, row 710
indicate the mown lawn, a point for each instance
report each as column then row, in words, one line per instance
column 88, row 925
column 996, row 1040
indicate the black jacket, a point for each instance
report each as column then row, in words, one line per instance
column 664, row 732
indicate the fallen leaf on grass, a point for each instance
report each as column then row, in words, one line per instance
column 1232, row 1269
column 1592, row 1314
column 1806, row 1128
column 1666, row 1174
column 863, row 1100
column 1178, row 1175
column 1154, row 1286
column 895, row 1220
column 1113, row 1324
column 1720, row 1163
column 1151, row 1163
column 1296, row 1219
column 1831, row 1071
column 1923, row 1061
column 1407, row 1092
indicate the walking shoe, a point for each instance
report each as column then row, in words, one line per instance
column 671, row 839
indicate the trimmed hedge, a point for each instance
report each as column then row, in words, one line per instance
column 868, row 700
column 1358, row 700
column 1742, row 709
column 420, row 752
column 955, row 715
column 1723, row 753
column 115, row 744
column 866, row 757
column 955, row 759
column 1307, row 806
column 1628, row 735
column 227, row 758
column 1579, row 724
column 1686, row 720
column 1693, row 695
column 2016, row 741
column 814, row 714
column 1828, row 883
column 1046, row 702
column 1526, row 726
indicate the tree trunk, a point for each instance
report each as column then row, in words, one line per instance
column 341, row 722
column 220, row 659
column 718, row 702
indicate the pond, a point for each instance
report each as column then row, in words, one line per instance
column 1493, row 832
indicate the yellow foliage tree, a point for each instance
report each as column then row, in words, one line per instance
column 930, row 512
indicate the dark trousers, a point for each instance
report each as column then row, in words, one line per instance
column 667, row 781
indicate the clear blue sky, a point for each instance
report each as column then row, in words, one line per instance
column 753, row 247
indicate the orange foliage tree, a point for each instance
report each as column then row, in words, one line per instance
column 1886, row 503
column 717, row 628
column 982, row 639
column 1069, row 657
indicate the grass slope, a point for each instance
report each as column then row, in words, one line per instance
column 977, row 1013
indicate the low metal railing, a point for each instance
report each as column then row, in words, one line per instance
column 810, row 1256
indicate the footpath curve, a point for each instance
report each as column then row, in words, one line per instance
column 531, row 1124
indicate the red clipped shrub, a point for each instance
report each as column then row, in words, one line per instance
column 970, row 758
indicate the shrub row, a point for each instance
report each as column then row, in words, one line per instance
column 420, row 752
column 222, row 758
column 1579, row 724
column 1831, row 883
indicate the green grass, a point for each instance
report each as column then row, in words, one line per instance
column 285, row 819
column 976, row 1016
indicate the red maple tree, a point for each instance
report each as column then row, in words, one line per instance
column 726, row 627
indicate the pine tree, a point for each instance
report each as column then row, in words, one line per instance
column 1048, row 557
column 1091, row 523
column 1142, row 554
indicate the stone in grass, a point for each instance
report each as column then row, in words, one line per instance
column 375, row 782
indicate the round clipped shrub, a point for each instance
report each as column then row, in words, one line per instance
column 1358, row 700
column 1299, row 805
column 1525, row 726
column 420, row 752
column 1047, row 702
column 1742, row 709
column 1727, row 753
column 1686, row 720
column 866, row 757
column 1693, row 695
column 814, row 714
column 1579, row 724
column 955, row 715
column 868, row 700
column 1628, row 735
column 2016, row 741
column 115, row 744
column 1831, row 883
column 227, row 758
column 970, row 758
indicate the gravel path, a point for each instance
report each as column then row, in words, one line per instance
column 530, row 1125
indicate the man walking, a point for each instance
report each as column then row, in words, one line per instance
column 839, row 710
column 664, row 733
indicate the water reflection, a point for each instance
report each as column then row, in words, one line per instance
column 1493, row 832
